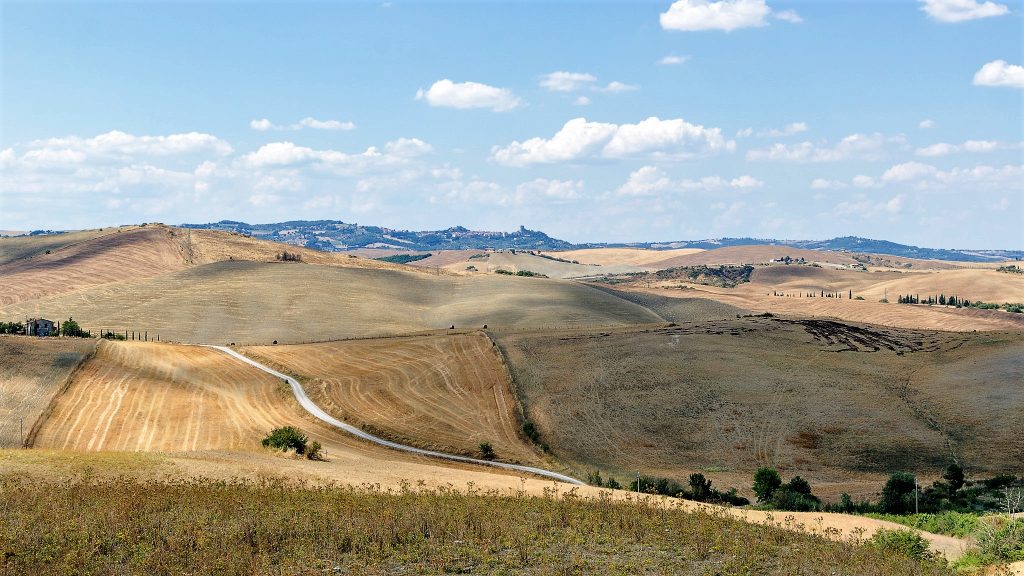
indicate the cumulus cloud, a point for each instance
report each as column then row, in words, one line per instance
column 868, row 146
column 868, row 208
column 581, row 101
column 977, row 146
column 787, row 130
column 649, row 180
column 580, row 139
column 117, row 145
column 566, row 81
column 464, row 95
column 726, row 15
column 999, row 73
column 673, row 60
column 926, row 124
column 924, row 176
column 951, row 11
column 825, row 184
column 263, row 125
column 616, row 86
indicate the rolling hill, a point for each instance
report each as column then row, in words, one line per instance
column 444, row 392
column 839, row 404
column 257, row 303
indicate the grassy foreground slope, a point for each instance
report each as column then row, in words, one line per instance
column 441, row 392
column 841, row 405
column 32, row 372
column 271, row 527
column 255, row 302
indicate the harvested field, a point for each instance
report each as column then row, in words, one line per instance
column 841, row 405
column 750, row 255
column 84, row 260
column 20, row 247
column 257, row 303
column 446, row 392
column 639, row 257
column 32, row 372
column 676, row 309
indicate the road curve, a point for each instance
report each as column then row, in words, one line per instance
column 315, row 410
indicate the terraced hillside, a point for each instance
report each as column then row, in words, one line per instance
column 32, row 372
column 443, row 392
column 254, row 302
column 841, row 405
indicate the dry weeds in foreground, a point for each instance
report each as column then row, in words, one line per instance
column 271, row 527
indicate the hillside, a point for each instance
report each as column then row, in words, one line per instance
column 841, row 405
column 32, row 372
column 36, row 266
column 444, row 392
column 257, row 303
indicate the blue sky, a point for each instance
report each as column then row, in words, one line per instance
column 591, row 121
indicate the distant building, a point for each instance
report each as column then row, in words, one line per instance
column 40, row 327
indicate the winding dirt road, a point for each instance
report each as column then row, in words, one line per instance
column 315, row 410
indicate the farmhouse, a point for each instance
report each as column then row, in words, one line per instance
column 40, row 327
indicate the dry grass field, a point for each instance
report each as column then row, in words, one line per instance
column 840, row 405
column 32, row 372
column 257, row 303
column 20, row 247
column 445, row 392
column 44, row 266
column 639, row 257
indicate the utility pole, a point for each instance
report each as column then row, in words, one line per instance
column 637, row 482
column 22, row 431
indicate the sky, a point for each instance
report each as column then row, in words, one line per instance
column 592, row 121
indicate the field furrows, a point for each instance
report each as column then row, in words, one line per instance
column 97, row 261
column 440, row 392
column 32, row 371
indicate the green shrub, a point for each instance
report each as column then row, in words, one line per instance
column 1001, row 540
column 958, row 524
column 285, row 439
column 487, row 451
column 904, row 542
column 503, row 272
column 766, row 482
column 896, row 493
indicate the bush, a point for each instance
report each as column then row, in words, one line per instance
column 313, row 451
column 766, row 482
column 1000, row 540
column 287, row 438
column 503, row 272
column 12, row 328
column 487, row 451
column 904, row 542
column 896, row 493
column 594, row 478
column 530, row 430
column 613, row 484
column 287, row 256
column 71, row 328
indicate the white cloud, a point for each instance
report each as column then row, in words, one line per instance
column 788, row 16
column 862, row 181
column 824, row 184
column 579, row 140
column 121, row 146
column 550, row 190
column 581, row 101
column 727, row 15
column 566, row 81
column 408, row 147
column 978, row 146
column 999, row 73
column 326, row 124
column 264, row 125
column 868, row 146
column 615, row 86
column 866, row 208
column 787, row 130
column 926, row 124
column 465, row 95
column 907, row 171
column 951, row 11
column 673, row 60
column 649, row 180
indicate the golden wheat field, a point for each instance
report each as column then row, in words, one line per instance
column 32, row 372
column 440, row 392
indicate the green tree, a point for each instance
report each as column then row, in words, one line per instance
column 487, row 451
column 896, row 493
column 766, row 482
column 700, row 487
column 286, row 438
column 954, row 476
